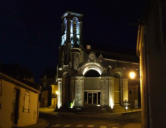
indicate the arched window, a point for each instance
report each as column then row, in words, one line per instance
column 92, row 73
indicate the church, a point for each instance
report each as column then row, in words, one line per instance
column 87, row 77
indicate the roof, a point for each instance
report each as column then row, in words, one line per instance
column 121, row 56
column 19, row 73
column 18, row 83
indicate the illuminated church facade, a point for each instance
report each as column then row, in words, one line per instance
column 86, row 77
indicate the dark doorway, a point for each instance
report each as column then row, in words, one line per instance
column 16, row 106
column 92, row 98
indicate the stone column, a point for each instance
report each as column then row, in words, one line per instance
column 104, row 83
column 102, row 97
column 121, row 90
column 79, row 91
column 72, row 89
column 111, row 92
column 125, row 90
column 59, row 98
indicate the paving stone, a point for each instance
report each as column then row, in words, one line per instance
column 56, row 125
column 67, row 125
column 90, row 126
column 79, row 125
column 103, row 126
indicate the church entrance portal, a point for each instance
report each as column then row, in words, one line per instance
column 92, row 97
column 92, row 94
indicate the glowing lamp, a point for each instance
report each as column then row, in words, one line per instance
column 72, row 104
column 57, row 93
column 126, row 107
column 111, row 103
column 132, row 75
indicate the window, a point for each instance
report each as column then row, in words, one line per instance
column 26, row 102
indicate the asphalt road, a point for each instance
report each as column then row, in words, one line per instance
column 92, row 120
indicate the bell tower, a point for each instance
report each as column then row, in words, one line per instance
column 71, row 29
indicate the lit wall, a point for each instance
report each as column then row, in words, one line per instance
column 27, row 110
column 55, row 94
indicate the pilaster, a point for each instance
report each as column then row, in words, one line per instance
column 79, row 91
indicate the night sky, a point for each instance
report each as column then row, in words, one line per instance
column 30, row 31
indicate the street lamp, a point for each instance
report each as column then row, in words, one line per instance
column 132, row 75
column 126, row 104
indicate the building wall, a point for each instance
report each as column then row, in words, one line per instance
column 44, row 98
column 25, row 117
column 55, row 93
column 152, row 49
column 108, row 86
column 92, row 83
column 31, row 116
column 134, row 95
column 79, row 92
column 7, row 100
column 100, row 84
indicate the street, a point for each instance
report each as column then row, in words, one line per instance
column 92, row 120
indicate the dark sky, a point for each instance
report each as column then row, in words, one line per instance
column 30, row 31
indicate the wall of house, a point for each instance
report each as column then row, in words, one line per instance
column 30, row 116
column 8, row 100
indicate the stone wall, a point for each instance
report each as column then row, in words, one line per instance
column 79, row 91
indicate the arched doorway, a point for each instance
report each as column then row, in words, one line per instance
column 92, row 89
